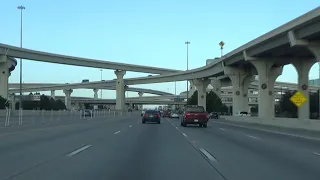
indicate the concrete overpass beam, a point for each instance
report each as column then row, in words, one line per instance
column 53, row 94
column 67, row 99
column 202, row 85
column 240, row 79
column 216, row 83
column 303, row 68
column 120, row 101
column 95, row 91
column 140, row 106
column 268, row 74
column 192, row 89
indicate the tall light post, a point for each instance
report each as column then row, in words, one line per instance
column 221, row 44
column 21, row 8
column 187, row 43
column 101, row 80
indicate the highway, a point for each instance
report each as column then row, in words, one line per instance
column 122, row 148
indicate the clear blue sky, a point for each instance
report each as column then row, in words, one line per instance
column 139, row 32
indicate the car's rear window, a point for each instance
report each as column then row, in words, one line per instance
column 194, row 109
column 151, row 112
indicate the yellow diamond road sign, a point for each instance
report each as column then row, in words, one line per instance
column 298, row 99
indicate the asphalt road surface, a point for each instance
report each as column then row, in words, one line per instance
column 123, row 148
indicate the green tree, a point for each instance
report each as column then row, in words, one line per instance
column 45, row 103
column 213, row 102
column 2, row 102
column 60, row 105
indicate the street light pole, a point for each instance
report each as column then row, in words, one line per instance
column 101, row 88
column 187, row 43
column 21, row 8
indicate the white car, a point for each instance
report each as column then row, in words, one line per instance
column 174, row 115
column 243, row 113
column 142, row 112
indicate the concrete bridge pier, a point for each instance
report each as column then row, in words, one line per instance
column 67, row 99
column 120, row 90
column 201, row 85
column 240, row 79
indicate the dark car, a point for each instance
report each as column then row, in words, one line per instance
column 166, row 114
column 214, row 115
column 86, row 112
column 195, row 115
column 151, row 116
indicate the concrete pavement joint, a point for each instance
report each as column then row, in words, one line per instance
column 78, row 150
column 275, row 132
column 116, row 132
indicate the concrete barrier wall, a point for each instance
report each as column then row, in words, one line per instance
column 27, row 113
column 294, row 123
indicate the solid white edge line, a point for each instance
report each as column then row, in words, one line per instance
column 207, row 154
column 275, row 132
column 316, row 153
column 79, row 150
column 116, row 132
column 254, row 137
column 222, row 129
column 184, row 134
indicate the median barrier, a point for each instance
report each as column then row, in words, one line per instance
column 293, row 123
column 30, row 117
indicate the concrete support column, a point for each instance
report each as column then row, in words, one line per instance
column 120, row 102
column 125, row 88
column 95, row 91
column 303, row 68
column 13, row 102
column 67, row 99
column 192, row 88
column 240, row 79
column 202, row 85
column 216, row 87
column 4, row 76
column 53, row 94
column 140, row 106
column 267, row 76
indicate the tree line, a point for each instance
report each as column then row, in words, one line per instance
column 213, row 102
column 45, row 103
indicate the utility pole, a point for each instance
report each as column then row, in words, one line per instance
column 21, row 8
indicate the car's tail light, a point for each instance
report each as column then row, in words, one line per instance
column 145, row 115
column 186, row 115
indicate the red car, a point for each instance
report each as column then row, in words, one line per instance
column 166, row 114
column 195, row 115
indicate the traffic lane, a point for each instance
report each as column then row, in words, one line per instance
column 23, row 151
column 300, row 132
column 307, row 143
column 144, row 152
column 252, row 158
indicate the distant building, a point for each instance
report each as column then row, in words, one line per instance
column 211, row 60
column 314, row 82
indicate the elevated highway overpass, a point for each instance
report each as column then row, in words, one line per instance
column 296, row 42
